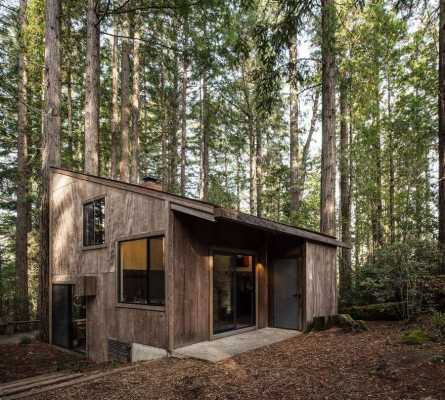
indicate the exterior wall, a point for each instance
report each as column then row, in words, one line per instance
column 193, row 243
column 321, row 280
column 126, row 214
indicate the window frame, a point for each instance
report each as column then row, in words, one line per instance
column 119, row 277
column 85, row 203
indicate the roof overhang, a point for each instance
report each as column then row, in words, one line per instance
column 265, row 224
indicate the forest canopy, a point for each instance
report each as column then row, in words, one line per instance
column 240, row 103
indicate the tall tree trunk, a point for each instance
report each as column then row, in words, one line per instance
column 92, row 80
column 252, row 145
column 392, row 227
column 377, row 203
column 21, row 240
column 69, row 91
column 442, row 132
column 252, row 166
column 294, row 146
column 124, row 167
column 173, row 127
column 345, row 198
column 328, row 150
column 135, row 108
column 50, row 147
column 164, row 126
column 114, row 101
column 184, row 83
column 259, row 169
column 307, row 144
column 205, row 139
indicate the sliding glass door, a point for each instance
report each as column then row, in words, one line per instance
column 233, row 292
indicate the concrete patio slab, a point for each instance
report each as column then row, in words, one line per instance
column 221, row 349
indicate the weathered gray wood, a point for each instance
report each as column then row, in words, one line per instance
column 321, row 281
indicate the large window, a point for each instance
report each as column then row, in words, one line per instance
column 93, row 223
column 141, row 271
column 233, row 292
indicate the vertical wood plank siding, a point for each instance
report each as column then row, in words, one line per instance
column 126, row 214
column 321, row 280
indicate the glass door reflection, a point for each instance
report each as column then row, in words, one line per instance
column 233, row 292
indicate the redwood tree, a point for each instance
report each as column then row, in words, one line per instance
column 92, row 79
column 328, row 150
column 442, row 132
column 50, row 146
column 22, row 222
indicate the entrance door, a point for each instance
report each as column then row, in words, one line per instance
column 233, row 292
column 69, row 318
column 62, row 315
column 285, row 293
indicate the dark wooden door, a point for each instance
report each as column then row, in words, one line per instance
column 285, row 294
column 62, row 315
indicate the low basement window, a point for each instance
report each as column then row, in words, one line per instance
column 141, row 271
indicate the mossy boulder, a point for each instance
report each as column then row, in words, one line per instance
column 415, row 337
column 344, row 321
column 347, row 323
column 377, row 312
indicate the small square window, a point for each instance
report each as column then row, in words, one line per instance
column 93, row 223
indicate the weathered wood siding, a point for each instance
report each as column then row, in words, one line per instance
column 191, row 286
column 126, row 214
column 194, row 241
column 321, row 280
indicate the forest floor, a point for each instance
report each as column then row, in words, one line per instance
column 20, row 361
column 323, row 365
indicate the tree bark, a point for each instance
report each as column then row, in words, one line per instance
column 259, row 169
column 294, row 147
column 441, row 204
column 184, row 83
column 173, row 128
column 69, row 89
column 124, row 167
column 135, row 102
column 114, row 101
column 345, row 198
column 92, row 81
column 328, row 151
column 377, row 203
column 392, row 228
column 307, row 144
column 50, row 147
column 205, row 139
column 21, row 240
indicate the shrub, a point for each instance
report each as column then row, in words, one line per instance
column 25, row 340
column 414, row 337
column 378, row 312
column 438, row 322
column 398, row 273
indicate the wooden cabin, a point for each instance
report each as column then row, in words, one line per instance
column 131, row 264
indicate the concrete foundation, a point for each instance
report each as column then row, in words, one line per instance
column 140, row 352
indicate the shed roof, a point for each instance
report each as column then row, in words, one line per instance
column 206, row 210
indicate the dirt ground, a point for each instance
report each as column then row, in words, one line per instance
column 323, row 365
column 20, row 361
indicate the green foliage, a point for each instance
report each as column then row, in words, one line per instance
column 24, row 340
column 344, row 321
column 415, row 337
column 394, row 311
column 438, row 323
column 398, row 273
